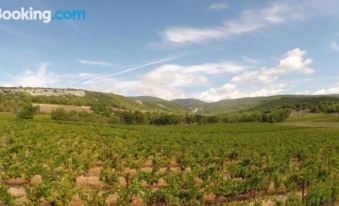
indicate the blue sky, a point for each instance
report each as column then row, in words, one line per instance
column 206, row 49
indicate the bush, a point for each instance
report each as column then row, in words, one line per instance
column 319, row 194
column 114, row 120
column 60, row 115
column 27, row 112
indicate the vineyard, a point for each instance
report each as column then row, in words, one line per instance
column 50, row 163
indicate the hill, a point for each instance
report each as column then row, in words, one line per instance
column 234, row 105
column 11, row 99
column 257, row 103
column 189, row 104
column 157, row 104
column 295, row 101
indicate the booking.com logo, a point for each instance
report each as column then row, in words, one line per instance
column 46, row 16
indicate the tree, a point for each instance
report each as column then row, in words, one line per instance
column 140, row 118
column 212, row 119
column 127, row 117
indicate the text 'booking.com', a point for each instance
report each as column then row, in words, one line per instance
column 45, row 16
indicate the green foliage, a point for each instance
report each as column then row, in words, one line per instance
column 272, row 116
column 314, row 103
column 27, row 112
column 293, row 200
column 251, row 154
column 60, row 114
column 321, row 193
column 13, row 102
column 5, row 197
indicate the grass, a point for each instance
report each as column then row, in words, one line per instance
column 314, row 120
column 8, row 116
column 42, row 117
column 315, row 117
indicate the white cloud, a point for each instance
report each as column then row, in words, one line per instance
column 225, row 92
column 231, row 91
column 253, row 20
column 219, row 6
column 174, row 76
column 171, row 81
column 95, row 63
column 334, row 46
column 39, row 77
column 193, row 35
column 181, row 76
column 331, row 90
column 167, row 81
column 294, row 61
column 249, row 21
column 261, row 82
column 250, row 60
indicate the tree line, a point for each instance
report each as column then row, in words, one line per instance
column 152, row 118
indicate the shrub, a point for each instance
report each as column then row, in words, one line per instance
column 27, row 112
column 60, row 114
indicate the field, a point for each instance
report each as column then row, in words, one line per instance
column 50, row 163
column 8, row 116
column 48, row 108
column 319, row 120
column 315, row 117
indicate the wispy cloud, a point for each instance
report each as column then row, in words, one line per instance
column 95, row 63
column 334, row 46
column 38, row 77
column 250, row 60
column 219, row 6
column 251, row 20
column 135, row 67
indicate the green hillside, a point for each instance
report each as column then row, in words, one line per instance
column 295, row 101
column 234, row 105
column 189, row 104
column 157, row 104
column 12, row 101
column 259, row 103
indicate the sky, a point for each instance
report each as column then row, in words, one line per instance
column 205, row 49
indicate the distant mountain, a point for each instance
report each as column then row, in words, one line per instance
column 233, row 105
column 259, row 103
column 157, row 104
column 228, row 105
column 190, row 104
